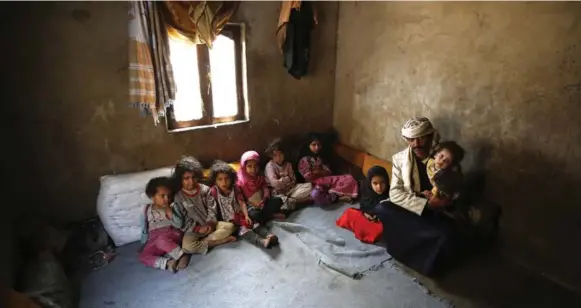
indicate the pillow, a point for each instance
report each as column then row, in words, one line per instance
column 371, row 161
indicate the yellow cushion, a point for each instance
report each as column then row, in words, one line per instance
column 235, row 165
column 351, row 155
column 371, row 161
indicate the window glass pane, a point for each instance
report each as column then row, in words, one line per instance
column 184, row 61
column 223, row 68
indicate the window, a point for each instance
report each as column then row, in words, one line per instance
column 209, row 82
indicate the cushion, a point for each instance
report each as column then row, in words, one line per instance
column 363, row 229
column 120, row 203
column 351, row 155
column 371, row 161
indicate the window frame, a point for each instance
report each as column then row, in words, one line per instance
column 237, row 32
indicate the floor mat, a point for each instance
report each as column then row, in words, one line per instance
column 242, row 275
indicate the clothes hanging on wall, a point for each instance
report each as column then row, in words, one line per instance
column 296, row 21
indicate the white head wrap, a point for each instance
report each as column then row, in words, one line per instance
column 417, row 127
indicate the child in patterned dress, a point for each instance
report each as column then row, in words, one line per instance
column 281, row 177
column 161, row 234
column 191, row 199
column 227, row 204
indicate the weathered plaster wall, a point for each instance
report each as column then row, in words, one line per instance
column 67, row 94
column 503, row 79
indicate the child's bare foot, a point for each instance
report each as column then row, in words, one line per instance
column 270, row 240
column 172, row 265
column 278, row 216
column 183, row 261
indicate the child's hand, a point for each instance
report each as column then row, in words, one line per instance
column 428, row 194
column 370, row 217
column 168, row 212
column 205, row 230
column 248, row 221
column 436, row 202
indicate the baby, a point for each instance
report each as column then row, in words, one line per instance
column 444, row 170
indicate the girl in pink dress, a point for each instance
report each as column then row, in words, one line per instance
column 327, row 188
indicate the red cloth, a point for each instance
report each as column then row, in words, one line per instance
column 364, row 230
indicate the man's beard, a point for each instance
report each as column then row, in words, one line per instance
column 420, row 152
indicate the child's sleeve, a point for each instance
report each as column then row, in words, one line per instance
column 144, row 225
column 212, row 208
column 305, row 169
column 272, row 178
column 177, row 219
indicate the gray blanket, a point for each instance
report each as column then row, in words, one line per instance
column 335, row 247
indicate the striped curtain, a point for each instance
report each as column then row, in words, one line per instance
column 151, row 83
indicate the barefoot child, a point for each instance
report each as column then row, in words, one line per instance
column 261, row 206
column 281, row 177
column 161, row 225
column 227, row 204
column 328, row 188
column 192, row 201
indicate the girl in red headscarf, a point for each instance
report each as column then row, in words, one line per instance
column 262, row 207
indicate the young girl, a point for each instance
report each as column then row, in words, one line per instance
column 444, row 170
column 192, row 201
column 364, row 222
column 327, row 187
column 226, row 203
column 160, row 231
column 281, row 177
column 261, row 206
column 375, row 190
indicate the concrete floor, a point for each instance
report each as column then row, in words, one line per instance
column 492, row 281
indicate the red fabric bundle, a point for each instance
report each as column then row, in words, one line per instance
column 364, row 230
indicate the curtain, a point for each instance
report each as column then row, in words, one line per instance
column 200, row 21
column 151, row 83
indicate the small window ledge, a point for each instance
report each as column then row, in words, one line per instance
column 185, row 129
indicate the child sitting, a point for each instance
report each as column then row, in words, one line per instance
column 328, row 188
column 444, row 170
column 364, row 222
column 261, row 207
column 192, row 201
column 226, row 203
column 281, row 177
column 160, row 231
column 375, row 190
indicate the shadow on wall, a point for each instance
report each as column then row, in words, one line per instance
column 537, row 213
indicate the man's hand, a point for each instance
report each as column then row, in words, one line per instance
column 436, row 202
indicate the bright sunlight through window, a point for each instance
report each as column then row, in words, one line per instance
column 223, row 66
column 188, row 100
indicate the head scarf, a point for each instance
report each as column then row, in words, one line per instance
column 249, row 184
column 307, row 150
column 417, row 127
column 369, row 198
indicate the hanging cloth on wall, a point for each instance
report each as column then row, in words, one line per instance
column 151, row 82
column 296, row 21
